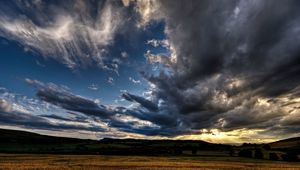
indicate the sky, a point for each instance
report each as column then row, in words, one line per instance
column 219, row 71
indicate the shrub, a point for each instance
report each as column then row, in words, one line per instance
column 273, row 156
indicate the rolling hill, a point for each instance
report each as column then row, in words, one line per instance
column 14, row 141
column 291, row 143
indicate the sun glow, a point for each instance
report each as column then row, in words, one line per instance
column 237, row 136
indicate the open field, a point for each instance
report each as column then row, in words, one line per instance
column 90, row 162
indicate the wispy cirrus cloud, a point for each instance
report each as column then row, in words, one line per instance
column 75, row 33
column 134, row 81
column 93, row 87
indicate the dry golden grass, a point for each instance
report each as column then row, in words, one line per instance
column 91, row 162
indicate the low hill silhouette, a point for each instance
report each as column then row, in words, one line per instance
column 14, row 141
column 291, row 143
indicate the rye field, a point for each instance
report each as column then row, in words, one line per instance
column 93, row 162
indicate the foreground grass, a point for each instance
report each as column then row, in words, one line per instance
column 90, row 162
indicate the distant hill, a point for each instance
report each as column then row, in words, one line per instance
column 14, row 141
column 291, row 143
column 23, row 137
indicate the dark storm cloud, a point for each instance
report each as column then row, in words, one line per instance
column 211, row 38
column 237, row 62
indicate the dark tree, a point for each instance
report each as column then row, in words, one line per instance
column 245, row 153
column 178, row 151
column 258, row 154
column 267, row 147
column 231, row 152
column 194, row 151
column 290, row 156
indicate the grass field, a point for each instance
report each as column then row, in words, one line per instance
column 90, row 162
